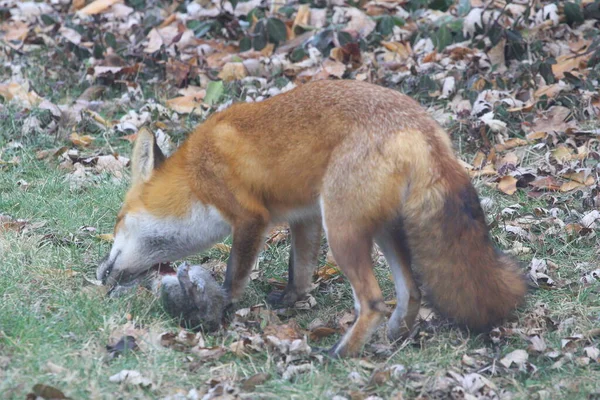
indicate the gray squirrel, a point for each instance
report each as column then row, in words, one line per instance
column 194, row 297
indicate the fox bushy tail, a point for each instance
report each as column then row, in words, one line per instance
column 465, row 277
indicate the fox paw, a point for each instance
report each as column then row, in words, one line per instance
column 283, row 298
column 397, row 331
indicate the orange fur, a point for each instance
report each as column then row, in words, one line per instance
column 375, row 166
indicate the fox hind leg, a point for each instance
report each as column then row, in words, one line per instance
column 394, row 246
column 352, row 252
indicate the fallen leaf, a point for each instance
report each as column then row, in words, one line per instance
column 334, row 68
column 255, row 380
column 359, row 22
column 47, row 392
column 233, row 71
column 321, row 332
column 21, row 93
column 294, row 370
column 545, row 183
column 55, row 368
column 510, row 144
column 569, row 62
column 307, row 303
column 125, row 344
column 289, row 331
column 78, row 140
column 517, row 357
column 112, row 164
column 131, row 377
column 181, row 341
column 562, row 154
column 222, row 247
column 9, row 223
column 571, row 185
column 592, row 352
column 538, row 345
column 209, row 353
column 346, row 321
column 107, row 237
column 508, row 185
column 98, row 6
column 190, row 104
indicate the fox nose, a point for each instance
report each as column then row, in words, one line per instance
column 105, row 269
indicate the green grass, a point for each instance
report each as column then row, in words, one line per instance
column 50, row 314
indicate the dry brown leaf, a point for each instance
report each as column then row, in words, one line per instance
column 549, row 90
column 15, row 31
column 431, row 57
column 321, row 332
column 538, row 344
column 509, row 160
column 479, row 160
column 327, row 272
column 592, row 352
column 334, row 68
column 79, row 140
column 496, row 55
column 8, row 223
column 346, row 321
column 113, row 164
column 306, row 303
column 581, row 177
column 537, row 136
column 222, row 247
column 359, row 22
column 508, row 185
column 255, row 380
column 277, row 235
column 510, row 144
column 155, row 41
column 526, row 107
column 107, row 237
column 554, row 121
column 55, row 368
column 545, row 183
column 233, row 71
column 488, row 170
column 19, row 92
column 562, row 154
column 177, row 72
column 239, row 347
column 517, row 357
column 289, row 331
column 131, row 377
column 98, row 6
column 402, row 49
column 209, row 353
column 571, row 185
column 302, row 17
column 186, row 104
column 569, row 62
column 46, row 392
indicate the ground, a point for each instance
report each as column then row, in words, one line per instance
column 517, row 95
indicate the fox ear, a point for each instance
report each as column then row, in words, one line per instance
column 146, row 156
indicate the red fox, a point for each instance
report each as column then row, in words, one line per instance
column 365, row 163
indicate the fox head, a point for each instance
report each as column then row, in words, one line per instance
column 160, row 220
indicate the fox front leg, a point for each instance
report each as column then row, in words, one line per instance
column 247, row 241
column 305, row 238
